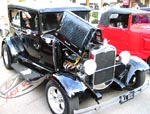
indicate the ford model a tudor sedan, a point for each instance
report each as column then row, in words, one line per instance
column 128, row 29
column 68, row 52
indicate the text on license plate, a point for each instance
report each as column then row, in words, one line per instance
column 125, row 97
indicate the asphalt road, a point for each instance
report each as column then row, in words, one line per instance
column 34, row 102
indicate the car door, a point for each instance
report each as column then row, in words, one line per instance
column 118, row 37
column 48, row 42
column 117, row 32
column 29, row 34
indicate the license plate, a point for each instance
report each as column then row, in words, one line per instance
column 126, row 97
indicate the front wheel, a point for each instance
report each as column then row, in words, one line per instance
column 137, row 80
column 58, row 101
column 7, row 57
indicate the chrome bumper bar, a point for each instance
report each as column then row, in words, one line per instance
column 119, row 99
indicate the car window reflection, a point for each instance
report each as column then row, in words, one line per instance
column 139, row 19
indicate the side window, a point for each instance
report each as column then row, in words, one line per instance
column 50, row 21
column 15, row 18
column 113, row 20
column 123, row 19
column 25, row 19
column 145, row 18
column 119, row 21
column 29, row 20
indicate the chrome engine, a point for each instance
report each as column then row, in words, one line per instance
column 103, row 55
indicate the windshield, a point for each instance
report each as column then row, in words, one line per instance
column 50, row 21
column 140, row 19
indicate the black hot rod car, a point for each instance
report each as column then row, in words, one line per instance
column 57, row 43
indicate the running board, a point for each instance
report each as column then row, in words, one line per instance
column 27, row 73
column 119, row 99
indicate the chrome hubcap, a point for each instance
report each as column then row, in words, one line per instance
column 56, row 100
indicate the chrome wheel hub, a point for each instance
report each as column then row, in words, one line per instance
column 56, row 100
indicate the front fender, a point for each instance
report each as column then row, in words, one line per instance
column 71, row 84
column 14, row 45
column 136, row 63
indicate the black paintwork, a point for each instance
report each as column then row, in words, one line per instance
column 49, row 7
column 34, row 46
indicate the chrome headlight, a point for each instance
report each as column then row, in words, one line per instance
column 89, row 66
column 124, row 57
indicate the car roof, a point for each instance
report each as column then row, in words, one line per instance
column 145, row 8
column 49, row 7
column 125, row 11
column 105, row 16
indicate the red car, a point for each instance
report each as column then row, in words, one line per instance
column 127, row 29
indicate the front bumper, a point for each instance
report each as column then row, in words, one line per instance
column 119, row 99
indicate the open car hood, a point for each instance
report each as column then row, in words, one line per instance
column 76, row 32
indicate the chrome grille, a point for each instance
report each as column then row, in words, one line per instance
column 105, row 59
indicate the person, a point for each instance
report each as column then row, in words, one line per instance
column 135, row 6
column 119, row 4
column 136, row 19
column 26, row 17
column 103, row 9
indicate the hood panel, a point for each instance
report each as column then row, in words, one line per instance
column 76, row 31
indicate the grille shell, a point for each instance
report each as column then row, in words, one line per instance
column 104, row 56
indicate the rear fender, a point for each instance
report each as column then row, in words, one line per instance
column 71, row 85
column 136, row 64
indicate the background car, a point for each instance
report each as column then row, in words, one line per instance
column 127, row 29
